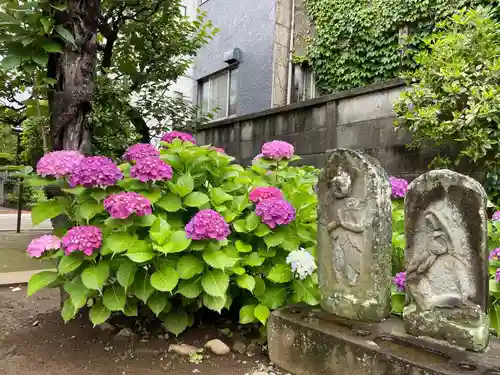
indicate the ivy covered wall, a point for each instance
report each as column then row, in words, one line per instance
column 358, row 42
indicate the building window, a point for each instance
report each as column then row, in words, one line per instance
column 183, row 10
column 219, row 94
column 303, row 83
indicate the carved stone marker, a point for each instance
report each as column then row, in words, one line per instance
column 354, row 236
column 447, row 259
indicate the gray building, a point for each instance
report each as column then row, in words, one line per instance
column 247, row 67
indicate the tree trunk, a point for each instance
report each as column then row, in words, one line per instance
column 74, row 70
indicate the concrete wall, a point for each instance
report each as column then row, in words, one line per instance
column 248, row 25
column 360, row 118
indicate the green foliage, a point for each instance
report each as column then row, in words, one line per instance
column 455, row 99
column 149, row 263
column 357, row 42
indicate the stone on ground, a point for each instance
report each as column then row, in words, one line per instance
column 217, row 347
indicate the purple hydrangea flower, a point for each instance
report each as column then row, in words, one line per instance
column 122, row 205
column 58, row 163
column 399, row 187
column 275, row 212
column 151, row 169
column 206, row 225
column 495, row 254
column 184, row 137
column 497, row 275
column 261, row 193
column 496, row 216
column 139, row 151
column 277, row 150
column 400, row 281
column 95, row 171
column 39, row 245
column 82, row 238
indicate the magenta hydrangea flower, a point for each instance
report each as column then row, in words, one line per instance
column 139, row 151
column 496, row 216
column 206, row 225
column 95, row 171
column 261, row 193
column 122, row 205
column 400, row 281
column 82, row 238
column 58, row 163
column 39, row 245
column 399, row 187
column 257, row 157
column 218, row 149
column 497, row 275
column 275, row 212
column 495, row 254
column 277, row 150
column 184, row 137
column 151, row 169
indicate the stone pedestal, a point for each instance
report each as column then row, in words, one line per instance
column 306, row 341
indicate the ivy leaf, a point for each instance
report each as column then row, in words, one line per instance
column 247, row 315
column 243, row 247
column 189, row 266
column 170, row 203
column 126, row 273
column 157, row 302
column 252, row 222
column 190, row 288
column 184, row 185
column 246, row 282
column 215, row 283
column 306, row 291
column 94, row 277
column 274, row 239
column 280, row 273
column 141, row 287
column 165, row 279
column 160, row 231
column 98, row 313
column 261, row 312
column 176, row 322
column 68, row 311
column 178, row 242
column 262, row 230
column 69, row 263
column 214, row 303
column 140, row 252
column 41, row 280
column 196, row 199
column 114, row 298
column 48, row 210
column 273, row 297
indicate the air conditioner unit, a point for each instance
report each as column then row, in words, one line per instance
column 232, row 56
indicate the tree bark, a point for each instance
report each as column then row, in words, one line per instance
column 74, row 70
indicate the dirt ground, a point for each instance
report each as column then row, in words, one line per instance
column 35, row 341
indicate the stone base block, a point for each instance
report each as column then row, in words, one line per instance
column 306, row 341
column 348, row 306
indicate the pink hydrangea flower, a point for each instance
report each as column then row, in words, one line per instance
column 95, row 171
column 400, row 281
column 496, row 216
column 139, row 151
column 399, row 187
column 122, row 205
column 206, row 225
column 275, row 212
column 82, row 238
column 39, row 245
column 277, row 150
column 261, row 193
column 151, row 169
column 58, row 163
column 184, row 137
column 495, row 254
column 218, row 149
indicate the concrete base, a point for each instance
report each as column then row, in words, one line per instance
column 306, row 341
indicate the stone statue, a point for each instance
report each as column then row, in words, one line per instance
column 354, row 236
column 447, row 259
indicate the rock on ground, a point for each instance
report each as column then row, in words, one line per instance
column 239, row 347
column 182, row 349
column 217, row 347
column 125, row 334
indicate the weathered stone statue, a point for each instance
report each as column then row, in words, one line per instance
column 354, row 236
column 447, row 259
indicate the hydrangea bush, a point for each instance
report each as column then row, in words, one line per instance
column 179, row 229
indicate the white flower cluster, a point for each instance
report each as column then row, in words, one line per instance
column 301, row 262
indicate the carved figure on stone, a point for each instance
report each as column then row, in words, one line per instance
column 354, row 235
column 445, row 221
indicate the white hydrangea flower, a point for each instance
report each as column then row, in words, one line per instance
column 301, row 262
